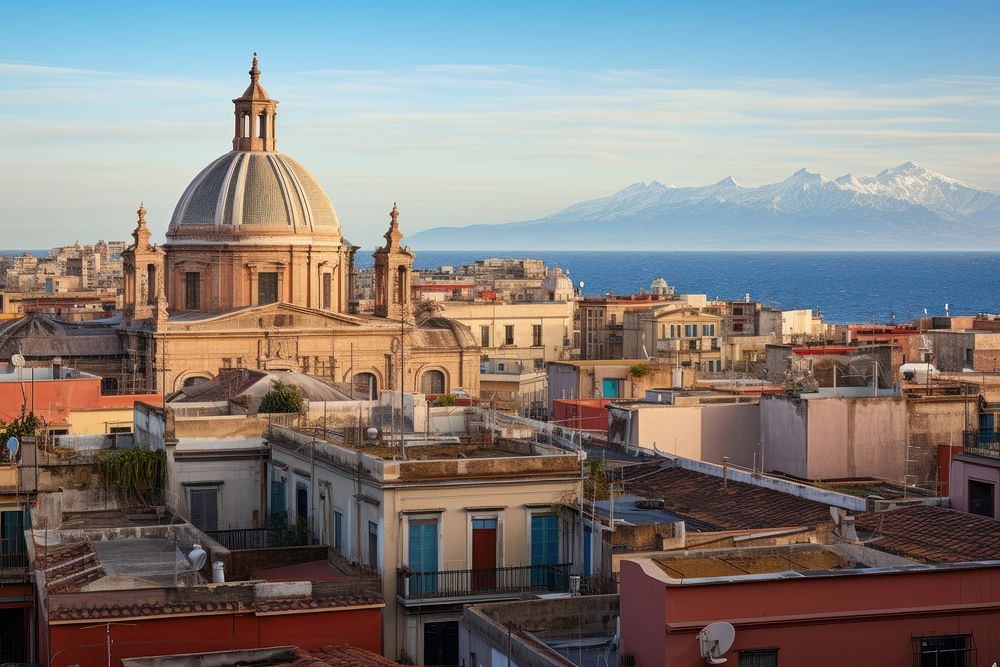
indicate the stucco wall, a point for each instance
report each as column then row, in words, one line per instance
column 783, row 430
column 857, row 437
column 965, row 468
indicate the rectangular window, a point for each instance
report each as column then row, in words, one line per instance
column 423, row 555
column 981, row 498
column 267, row 288
column 279, row 502
column 508, row 336
column 536, row 335
column 373, row 544
column 484, row 335
column 614, row 319
column 707, row 329
column 544, row 547
column 204, row 508
column 338, row 531
column 327, row 290
column 192, row 290
column 690, row 330
column 946, row 651
column 767, row 657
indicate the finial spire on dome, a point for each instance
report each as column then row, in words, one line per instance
column 254, row 70
column 142, row 214
column 394, row 215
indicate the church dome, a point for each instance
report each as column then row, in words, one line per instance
column 254, row 190
column 248, row 191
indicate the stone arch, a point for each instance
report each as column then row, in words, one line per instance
column 434, row 381
column 191, row 378
column 366, row 384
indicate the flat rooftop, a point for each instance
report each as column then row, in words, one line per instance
column 690, row 567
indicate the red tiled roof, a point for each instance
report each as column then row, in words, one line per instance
column 735, row 506
column 340, row 655
column 69, row 567
column 932, row 534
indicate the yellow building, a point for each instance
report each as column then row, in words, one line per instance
column 678, row 335
column 451, row 525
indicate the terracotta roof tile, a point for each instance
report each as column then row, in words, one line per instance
column 932, row 534
column 735, row 506
column 340, row 655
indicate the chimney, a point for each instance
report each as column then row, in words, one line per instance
column 57, row 368
column 725, row 471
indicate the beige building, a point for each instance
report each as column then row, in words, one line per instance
column 447, row 526
column 256, row 274
column 533, row 332
column 676, row 335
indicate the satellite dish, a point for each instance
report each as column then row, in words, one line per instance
column 12, row 446
column 371, row 433
column 714, row 640
column 17, row 360
column 197, row 557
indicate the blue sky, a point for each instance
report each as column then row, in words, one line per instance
column 481, row 112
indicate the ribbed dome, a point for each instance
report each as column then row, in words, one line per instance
column 250, row 191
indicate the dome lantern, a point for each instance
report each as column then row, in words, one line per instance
column 255, row 115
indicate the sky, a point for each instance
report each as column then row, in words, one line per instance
column 477, row 112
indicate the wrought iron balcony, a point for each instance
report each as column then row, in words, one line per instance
column 13, row 557
column 494, row 583
column 982, row 442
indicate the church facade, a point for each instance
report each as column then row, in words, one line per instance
column 255, row 273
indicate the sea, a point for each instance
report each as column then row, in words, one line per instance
column 881, row 287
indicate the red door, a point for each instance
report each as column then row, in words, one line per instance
column 484, row 554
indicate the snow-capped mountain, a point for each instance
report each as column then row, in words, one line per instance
column 906, row 207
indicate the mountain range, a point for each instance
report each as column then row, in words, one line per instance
column 904, row 208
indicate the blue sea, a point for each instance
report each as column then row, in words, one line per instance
column 844, row 286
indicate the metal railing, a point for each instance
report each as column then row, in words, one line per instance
column 482, row 582
column 256, row 538
column 982, row 442
column 13, row 555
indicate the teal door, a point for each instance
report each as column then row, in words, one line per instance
column 423, row 553
column 278, row 502
column 544, row 547
column 609, row 388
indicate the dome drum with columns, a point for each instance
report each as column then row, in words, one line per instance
column 256, row 227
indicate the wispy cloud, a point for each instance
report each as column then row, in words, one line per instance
column 481, row 143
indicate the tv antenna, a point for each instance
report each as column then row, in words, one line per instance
column 715, row 640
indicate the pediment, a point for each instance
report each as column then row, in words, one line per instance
column 269, row 317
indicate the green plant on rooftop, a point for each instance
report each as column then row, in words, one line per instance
column 597, row 485
column 282, row 398
column 444, row 400
column 638, row 370
column 135, row 475
column 25, row 425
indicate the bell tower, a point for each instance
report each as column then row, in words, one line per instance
column 255, row 116
column 142, row 265
column 393, row 272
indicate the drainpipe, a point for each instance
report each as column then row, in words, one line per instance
column 628, row 430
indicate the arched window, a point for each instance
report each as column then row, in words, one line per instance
column 194, row 380
column 262, row 126
column 365, row 386
column 151, row 290
column 246, row 125
column 432, row 382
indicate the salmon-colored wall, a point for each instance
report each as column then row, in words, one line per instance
column 53, row 399
column 85, row 643
column 842, row 620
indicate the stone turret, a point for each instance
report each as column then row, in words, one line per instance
column 142, row 264
column 393, row 273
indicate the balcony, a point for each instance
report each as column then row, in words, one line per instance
column 502, row 583
column 13, row 559
column 983, row 442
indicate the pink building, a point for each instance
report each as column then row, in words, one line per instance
column 811, row 605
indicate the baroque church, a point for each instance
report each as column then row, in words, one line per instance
column 255, row 273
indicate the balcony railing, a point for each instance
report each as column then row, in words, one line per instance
column 13, row 556
column 257, row 538
column 982, row 442
column 487, row 583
